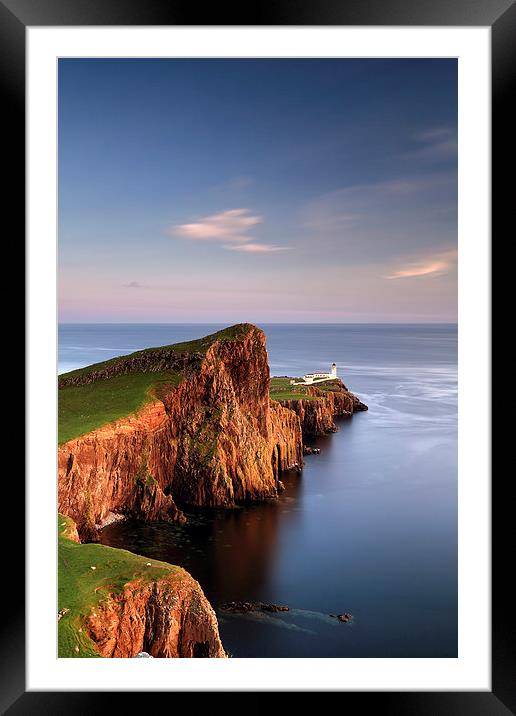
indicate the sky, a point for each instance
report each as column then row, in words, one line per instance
column 303, row 190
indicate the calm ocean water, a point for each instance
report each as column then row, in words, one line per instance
column 370, row 527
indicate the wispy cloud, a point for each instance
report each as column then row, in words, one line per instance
column 435, row 144
column 432, row 134
column 256, row 248
column 231, row 225
column 134, row 284
column 230, row 228
column 233, row 184
column 240, row 182
column 410, row 215
column 434, row 265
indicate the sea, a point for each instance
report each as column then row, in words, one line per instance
column 369, row 527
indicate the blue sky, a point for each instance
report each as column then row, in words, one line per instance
column 257, row 190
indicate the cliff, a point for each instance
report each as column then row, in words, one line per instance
column 169, row 617
column 317, row 406
column 207, row 436
column 113, row 603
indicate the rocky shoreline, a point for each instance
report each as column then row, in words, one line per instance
column 245, row 607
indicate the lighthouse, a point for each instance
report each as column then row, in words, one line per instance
column 310, row 378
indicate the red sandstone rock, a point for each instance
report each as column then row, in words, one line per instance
column 167, row 618
column 317, row 416
column 215, row 440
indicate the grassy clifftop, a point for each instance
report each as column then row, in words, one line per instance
column 83, row 408
column 281, row 389
column 88, row 575
column 199, row 345
column 98, row 394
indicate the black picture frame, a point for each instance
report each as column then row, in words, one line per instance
column 500, row 15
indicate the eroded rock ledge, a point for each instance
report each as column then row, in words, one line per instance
column 318, row 411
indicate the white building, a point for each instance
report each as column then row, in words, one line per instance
column 311, row 378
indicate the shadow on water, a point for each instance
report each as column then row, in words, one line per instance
column 230, row 552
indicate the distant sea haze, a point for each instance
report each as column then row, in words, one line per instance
column 370, row 526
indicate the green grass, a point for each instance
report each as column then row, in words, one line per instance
column 199, row 345
column 83, row 408
column 81, row 589
column 281, row 389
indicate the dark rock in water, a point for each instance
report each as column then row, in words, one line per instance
column 307, row 450
column 281, row 487
column 273, row 608
column 346, row 617
column 244, row 607
column 332, row 429
column 359, row 406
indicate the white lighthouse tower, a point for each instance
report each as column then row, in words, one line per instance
column 333, row 372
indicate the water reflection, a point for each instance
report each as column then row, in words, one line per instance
column 230, row 552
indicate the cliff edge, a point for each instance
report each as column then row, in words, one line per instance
column 200, row 430
column 317, row 406
column 113, row 603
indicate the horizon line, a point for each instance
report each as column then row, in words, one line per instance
column 267, row 323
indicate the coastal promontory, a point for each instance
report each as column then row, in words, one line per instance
column 191, row 424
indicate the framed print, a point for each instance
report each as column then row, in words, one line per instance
column 258, row 353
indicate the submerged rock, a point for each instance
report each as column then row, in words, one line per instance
column 307, row 450
column 110, row 519
column 244, row 607
column 346, row 617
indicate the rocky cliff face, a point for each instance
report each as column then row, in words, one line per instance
column 216, row 439
column 317, row 416
column 114, row 603
column 287, row 439
column 116, row 469
column 170, row 617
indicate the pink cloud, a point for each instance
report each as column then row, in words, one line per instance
column 232, row 225
column 256, row 248
column 436, row 265
column 229, row 228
